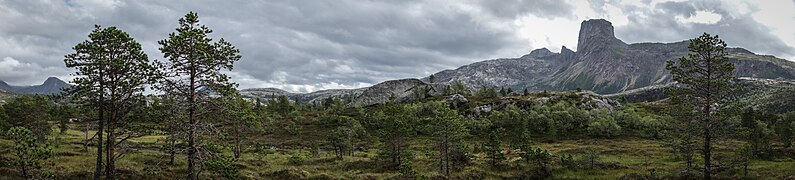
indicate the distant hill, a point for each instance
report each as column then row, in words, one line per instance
column 402, row 90
column 603, row 64
column 52, row 85
column 766, row 94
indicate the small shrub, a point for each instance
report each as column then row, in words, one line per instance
column 296, row 159
column 223, row 167
column 30, row 155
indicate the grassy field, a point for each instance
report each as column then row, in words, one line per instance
column 616, row 158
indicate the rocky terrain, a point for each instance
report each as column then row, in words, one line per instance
column 401, row 90
column 52, row 85
column 602, row 63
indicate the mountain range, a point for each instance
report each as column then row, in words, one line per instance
column 52, row 85
column 601, row 63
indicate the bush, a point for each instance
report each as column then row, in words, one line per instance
column 29, row 155
column 603, row 125
column 296, row 159
column 223, row 167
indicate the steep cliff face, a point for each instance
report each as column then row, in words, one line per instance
column 603, row 64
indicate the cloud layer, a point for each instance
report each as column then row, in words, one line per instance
column 306, row 46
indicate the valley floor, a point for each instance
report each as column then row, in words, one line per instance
column 615, row 158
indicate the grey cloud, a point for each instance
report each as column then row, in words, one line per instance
column 661, row 26
column 542, row 8
column 344, row 42
column 293, row 42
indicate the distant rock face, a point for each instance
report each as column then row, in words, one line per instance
column 595, row 34
column 52, row 85
column 603, row 64
column 402, row 90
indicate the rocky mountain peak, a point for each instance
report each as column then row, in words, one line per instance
column 595, row 33
column 54, row 80
column 539, row 53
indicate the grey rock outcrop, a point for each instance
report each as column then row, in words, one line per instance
column 402, row 90
column 457, row 100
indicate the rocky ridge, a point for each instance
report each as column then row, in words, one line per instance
column 52, row 85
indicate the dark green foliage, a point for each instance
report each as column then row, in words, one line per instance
column 192, row 70
column 785, row 129
column 343, row 133
column 592, row 158
column 31, row 112
column 449, row 130
column 487, row 92
column 542, row 159
column 112, row 70
column 4, row 123
column 223, row 167
column 29, row 155
column 296, row 159
column 757, row 132
column 394, row 128
column 493, row 146
column 280, row 105
column 603, row 124
column 704, row 78
column 62, row 114
column 568, row 161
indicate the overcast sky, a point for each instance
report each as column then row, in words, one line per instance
column 304, row 46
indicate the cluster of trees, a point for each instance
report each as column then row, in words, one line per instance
column 113, row 72
column 27, row 122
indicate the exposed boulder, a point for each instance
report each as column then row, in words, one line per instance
column 457, row 100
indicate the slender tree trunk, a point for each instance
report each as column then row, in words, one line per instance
column 237, row 140
column 98, row 170
column 110, row 165
column 173, row 147
column 441, row 157
column 86, row 141
column 192, row 128
column 446, row 155
column 707, row 153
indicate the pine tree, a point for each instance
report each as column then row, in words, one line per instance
column 28, row 153
column 112, row 72
column 704, row 78
column 192, row 71
column 449, row 130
